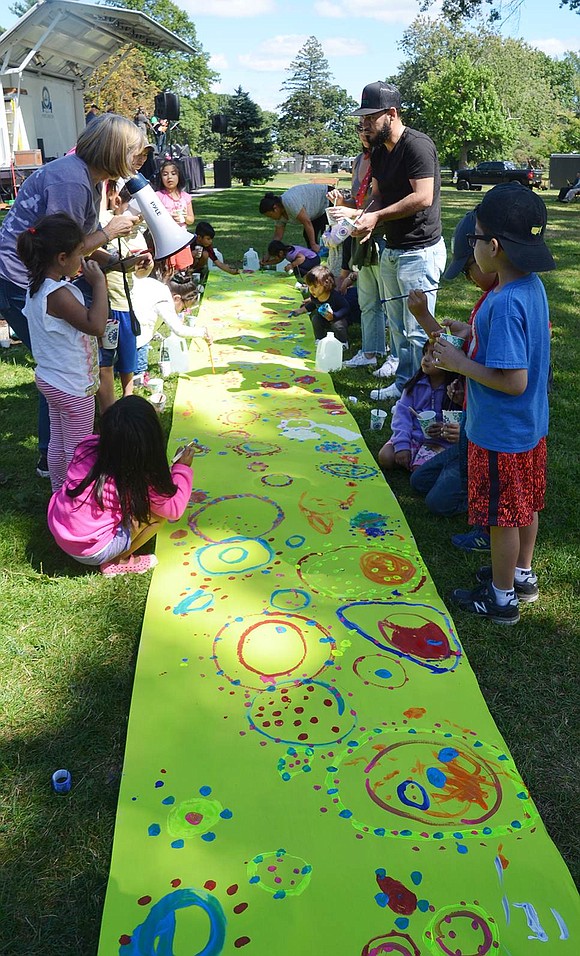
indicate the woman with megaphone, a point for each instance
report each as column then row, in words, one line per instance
column 111, row 147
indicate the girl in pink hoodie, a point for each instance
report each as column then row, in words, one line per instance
column 119, row 490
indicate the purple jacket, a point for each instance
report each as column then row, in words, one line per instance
column 406, row 428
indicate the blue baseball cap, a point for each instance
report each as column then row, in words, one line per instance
column 460, row 248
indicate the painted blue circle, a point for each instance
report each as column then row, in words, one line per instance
column 156, row 934
column 436, row 777
column 402, row 795
column 295, row 541
column 447, row 753
column 383, row 673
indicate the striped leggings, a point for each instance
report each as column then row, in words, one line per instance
column 71, row 419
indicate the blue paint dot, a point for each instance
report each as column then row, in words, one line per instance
column 279, row 895
column 458, row 835
column 332, row 769
column 423, row 905
column 381, row 872
column 254, row 879
column 345, row 813
column 307, row 768
column 306, row 869
column 416, row 877
column 487, row 830
column 478, row 743
column 178, row 844
column 383, row 673
column 461, row 848
column 286, row 776
column 380, row 831
column 208, row 837
column 447, row 753
column 259, row 858
column 522, row 796
column 154, row 829
column 438, row 835
column 333, row 790
column 168, row 801
column 382, row 899
column 159, row 783
column 412, row 730
column 436, row 777
column 402, row 922
column 516, row 824
column 503, row 757
column 226, row 814
column 205, row 791
column 406, row 832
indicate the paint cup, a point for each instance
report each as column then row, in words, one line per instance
column 155, row 385
column 378, row 416
column 426, row 419
column 455, row 340
column 159, row 401
column 452, row 416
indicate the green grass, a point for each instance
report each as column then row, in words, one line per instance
column 68, row 638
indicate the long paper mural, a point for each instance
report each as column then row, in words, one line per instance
column 310, row 765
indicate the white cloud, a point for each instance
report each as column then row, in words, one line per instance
column 555, row 48
column 218, row 61
column 237, row 8
column 388, row 11
column 273, row 55
column 343, row 46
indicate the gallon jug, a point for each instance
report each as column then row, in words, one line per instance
column 251, row 261
column 329, row 354
column 178, row 349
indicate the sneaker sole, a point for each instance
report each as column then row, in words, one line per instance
column 523, row 598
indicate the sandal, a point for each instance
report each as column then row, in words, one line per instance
column 135, row 565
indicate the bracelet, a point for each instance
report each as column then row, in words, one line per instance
column 106, row 235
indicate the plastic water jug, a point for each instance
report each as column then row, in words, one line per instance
column 281, row 266
column 251, row 261
column 178, row 349
column 329, row 354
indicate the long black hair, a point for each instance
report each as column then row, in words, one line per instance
column 449, row 378
column 39, row 245
column 268, row 202
column 131, row 452
column 180, row 174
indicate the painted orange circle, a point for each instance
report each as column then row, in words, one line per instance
column 382, row 567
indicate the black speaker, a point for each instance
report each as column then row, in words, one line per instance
column 167, row 106
column 219, row 123
column 222, row 173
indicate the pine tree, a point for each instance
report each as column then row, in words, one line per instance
column 305, row 114
column 247, row 142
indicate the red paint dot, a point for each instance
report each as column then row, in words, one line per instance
column 335, row 730
column 302, row 736
column 124, row 940
column 240, row 908
column 241, row 941
column 210, row 884
column 314, row 720
column 144, row 900
column 176, row 882
column 232, row 890
column 299, row 710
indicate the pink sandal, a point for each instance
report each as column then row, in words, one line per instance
column 137, row 564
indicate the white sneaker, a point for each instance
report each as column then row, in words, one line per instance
column 388, row 368
column 381, row 394
column 359, row 360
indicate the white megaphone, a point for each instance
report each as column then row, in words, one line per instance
column 168, row 236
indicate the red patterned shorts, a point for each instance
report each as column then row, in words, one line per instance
column 504, row 490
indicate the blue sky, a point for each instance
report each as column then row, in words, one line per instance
column 252, row 42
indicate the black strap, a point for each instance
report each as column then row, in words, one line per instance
column 135, row 325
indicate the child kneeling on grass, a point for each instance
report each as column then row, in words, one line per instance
column 329, row 310
column 507, row 368
column 119, row 490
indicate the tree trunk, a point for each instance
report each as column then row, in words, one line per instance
column 303, row 163
column 463, row 157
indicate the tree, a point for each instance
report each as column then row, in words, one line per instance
column 462, row 102
column 315, row 116
column 456, row 10
column 247, row 141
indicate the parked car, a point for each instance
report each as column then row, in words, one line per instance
column 492, row 173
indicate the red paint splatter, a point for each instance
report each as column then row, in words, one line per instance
column 241, row 941
column 428, row 641
column 401, row 900
column 144, row 900
column 233, row 889
column 124, row 940
column 194, row 818
column 210, row 884
column 176, row 882
column 414, row 712
column 240, row 908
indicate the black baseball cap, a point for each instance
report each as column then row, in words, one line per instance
column 460, row 248
column 517, row 217
column 378, row 96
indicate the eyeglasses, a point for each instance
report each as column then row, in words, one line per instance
column 473, row 237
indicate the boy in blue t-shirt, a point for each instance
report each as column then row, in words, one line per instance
column 506, row 367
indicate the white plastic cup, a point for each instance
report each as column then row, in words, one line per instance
column 426, row 419
column 155, row 385
column 378, row 417
column 452, row 416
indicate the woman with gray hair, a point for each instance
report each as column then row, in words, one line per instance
column 110, row 147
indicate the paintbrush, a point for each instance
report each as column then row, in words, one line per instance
column 392, row 298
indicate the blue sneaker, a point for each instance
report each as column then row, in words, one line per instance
column 475, row 540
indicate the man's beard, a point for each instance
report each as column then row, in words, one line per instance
column 379, row 137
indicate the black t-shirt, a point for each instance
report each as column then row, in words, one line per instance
column 413, row 157
column 336, row 301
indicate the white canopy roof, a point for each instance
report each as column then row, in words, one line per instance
column 66, row 38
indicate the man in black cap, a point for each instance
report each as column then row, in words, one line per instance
column 406, row 210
